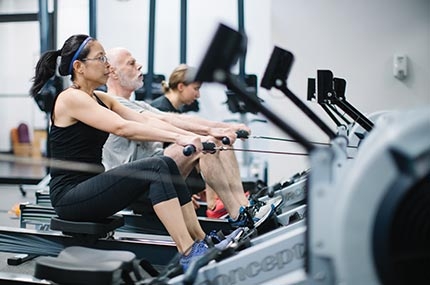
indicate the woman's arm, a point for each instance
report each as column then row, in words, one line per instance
column 75, row 105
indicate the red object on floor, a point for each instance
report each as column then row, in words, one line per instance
column 218, row 212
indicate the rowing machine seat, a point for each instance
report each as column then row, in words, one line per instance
column 82, row 265
column 88, row 231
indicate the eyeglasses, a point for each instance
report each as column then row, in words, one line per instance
column 102, row 59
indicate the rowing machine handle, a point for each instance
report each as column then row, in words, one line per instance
column 207, row 146
column 241, row 134
column 189, row 150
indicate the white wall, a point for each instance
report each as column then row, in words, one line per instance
column 355, row 39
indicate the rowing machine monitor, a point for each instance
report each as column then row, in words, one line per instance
column 339, row 85
column 278, row 68
column 332, row 90
column 325, row 87
column 276, row 75
column 237, row 105
column 311, row 89
column 223, row 52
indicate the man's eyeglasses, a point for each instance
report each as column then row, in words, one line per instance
column 102, row 59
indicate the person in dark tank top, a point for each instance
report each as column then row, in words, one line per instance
column 80, row 124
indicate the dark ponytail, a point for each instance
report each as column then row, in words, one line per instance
column 73, row 49
column 45, row 69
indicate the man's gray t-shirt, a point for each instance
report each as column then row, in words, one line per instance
column 118, row 150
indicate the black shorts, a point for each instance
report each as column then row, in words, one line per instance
column 195, row 182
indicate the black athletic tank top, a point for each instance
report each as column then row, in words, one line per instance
column 78, row 143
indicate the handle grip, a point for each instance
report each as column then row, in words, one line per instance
column 241, row 134
column 189, row 150
column 225, row 140
column 209, row 147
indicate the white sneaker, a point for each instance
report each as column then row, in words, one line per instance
column 261, row 211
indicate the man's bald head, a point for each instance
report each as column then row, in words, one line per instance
column 115, row 55
column 126, row 75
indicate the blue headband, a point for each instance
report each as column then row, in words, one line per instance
column 75, row 56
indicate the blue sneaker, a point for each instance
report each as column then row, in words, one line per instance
column 199, row 248
column 214, row 237
column 243, row 220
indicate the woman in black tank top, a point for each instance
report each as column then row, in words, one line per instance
column 81, row 122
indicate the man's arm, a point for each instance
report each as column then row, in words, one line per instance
column 186, row 123
column 156, row 125
column 203, row 126
column 189, row 123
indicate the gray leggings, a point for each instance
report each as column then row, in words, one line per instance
column 105, row 194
